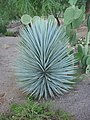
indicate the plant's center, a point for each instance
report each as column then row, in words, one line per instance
column 44, row 71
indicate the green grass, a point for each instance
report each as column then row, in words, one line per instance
column 8, row 33
column 34, row 111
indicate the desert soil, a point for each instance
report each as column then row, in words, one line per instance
column 9, row 92
column 77, row 102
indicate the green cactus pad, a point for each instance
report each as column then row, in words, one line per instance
column 26, row 19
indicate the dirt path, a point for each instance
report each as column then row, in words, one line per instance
column 76, row 102
column 9, row 92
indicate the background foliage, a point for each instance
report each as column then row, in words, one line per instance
column 14, row 9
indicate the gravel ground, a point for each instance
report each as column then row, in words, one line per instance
column 9, row 92
column 76, row 102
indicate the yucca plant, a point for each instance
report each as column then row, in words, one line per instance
column 45, row 67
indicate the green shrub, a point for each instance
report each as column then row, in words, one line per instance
column 31, row 110
column 10, row 34
column 3, row 29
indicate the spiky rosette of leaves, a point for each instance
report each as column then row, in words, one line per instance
column 45, row 68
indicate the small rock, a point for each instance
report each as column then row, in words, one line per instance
column 11, row 100
column 88, row 83
column 2, row 99
column 2, row 94
column 6, row 46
